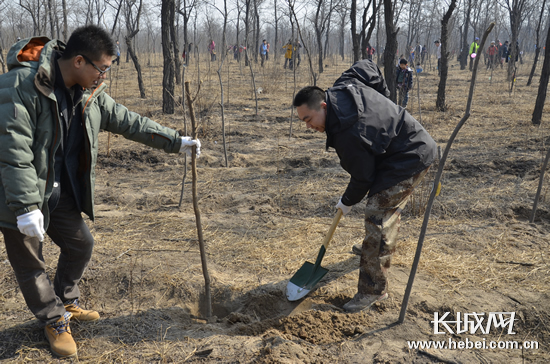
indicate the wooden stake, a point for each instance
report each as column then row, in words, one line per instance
column 207, row 295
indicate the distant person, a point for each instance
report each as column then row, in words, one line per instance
column 288, row 54
column 411, row 55
column 117, row 59
column 473, row 50
column 418, row 53
column 492, row 54
column 242, row 48
column 297, row 47
column 48, row 153
column 267, row 52
column 212, row 50
column 263, row 51
column 424, row 53
column 370, row 51
column 386, row 152
column 438, row 55
column 503, row 54
column 404, row 81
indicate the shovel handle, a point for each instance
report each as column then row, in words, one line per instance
column 332, row 228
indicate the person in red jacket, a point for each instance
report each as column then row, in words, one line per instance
column 492, row 53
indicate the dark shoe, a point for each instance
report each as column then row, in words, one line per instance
column 79, row 313
column 357, row 249
column 60, row 338
column 362, row 302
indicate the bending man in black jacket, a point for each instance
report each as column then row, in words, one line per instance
column 386, row 152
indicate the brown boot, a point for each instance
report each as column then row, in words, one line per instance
column 79, row 313
column 60, row 338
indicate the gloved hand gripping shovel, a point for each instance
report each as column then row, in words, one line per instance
column 303, row 281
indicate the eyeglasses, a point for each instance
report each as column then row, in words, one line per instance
column 101, row 72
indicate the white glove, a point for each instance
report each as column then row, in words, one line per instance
column 32, row 224
column 345, row 209
column 187, row 146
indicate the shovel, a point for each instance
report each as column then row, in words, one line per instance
column 303, row 281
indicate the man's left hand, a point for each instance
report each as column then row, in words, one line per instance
column 187, row 145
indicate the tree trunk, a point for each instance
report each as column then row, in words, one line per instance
column 276, row 43
column 168, row 71
column 319, row 37
column 132, row 55
column 440, row 101
column 257, row 32
column 354, row 35
column 65, row 29
column 390, row 49
column 537, row 45
column 318, row 34
column 246, row 27
column 174, row 37
column 543, row 84
column 465, row 45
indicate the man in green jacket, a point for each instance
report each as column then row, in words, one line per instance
column 53, row 105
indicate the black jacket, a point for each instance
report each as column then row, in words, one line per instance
column 379, row 143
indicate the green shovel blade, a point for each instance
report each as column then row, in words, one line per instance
column 306, row 278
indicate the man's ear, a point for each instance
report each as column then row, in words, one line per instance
column 79, row 62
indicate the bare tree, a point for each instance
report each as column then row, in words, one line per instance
column 95, row 9
column 414, row 11
column 517, row 11
column 247, row 10
column 543, row 84
column 354, row 35
column 185, row 9
column 440, row 103
column 132, row 14
column 390, row 49
column 175, row 44
column 343, row 13
column 537, row 44
column 465, row 27
column 168, row 71
column 320, row 20
column 65, row 25
column 34, row 8
column 256, row 30
column 116, row 5
column 223, row 55
column 276, row 19
column 369, row 22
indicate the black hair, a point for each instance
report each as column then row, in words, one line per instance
column 312, row 96
column 91, row 41
column 403, row 61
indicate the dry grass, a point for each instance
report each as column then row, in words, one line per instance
column 267, row 213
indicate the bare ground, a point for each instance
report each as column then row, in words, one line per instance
column 267, row 213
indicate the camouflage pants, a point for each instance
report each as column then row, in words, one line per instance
column 382, row 220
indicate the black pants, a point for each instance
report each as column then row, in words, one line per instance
column 70, row 233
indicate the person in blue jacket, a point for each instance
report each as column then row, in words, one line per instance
column 404, row 81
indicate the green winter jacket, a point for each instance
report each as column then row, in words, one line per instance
column 30, row 131
column 473, row 48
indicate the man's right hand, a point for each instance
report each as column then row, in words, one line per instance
column 345, row 209
column 32, row 224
